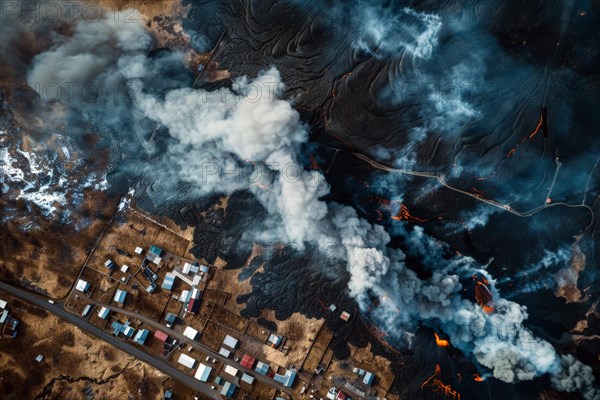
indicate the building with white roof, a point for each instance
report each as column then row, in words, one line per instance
column 186, row 360
column 230, row 342
column 247, row 378
column 224, row 352
column 120, row 296
column 231, row 370
column 86, row 310
column 82, row 285
column 186, row 268
column 185, row 296
column 190, row 333
column 139, row 250
column 103, row 312
column 124, row 268
column 3, row 304
column 203, row 372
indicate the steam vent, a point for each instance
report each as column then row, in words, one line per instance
column 300, row 199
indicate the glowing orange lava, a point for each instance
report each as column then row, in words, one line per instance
column 514, row 149
column 526, row 138
column 314, row 165
column 483, row 296
column 478, row 193
column 438, row 387
column 380, row 335
column 477, row 378
column 404, row 215
column 441, row 342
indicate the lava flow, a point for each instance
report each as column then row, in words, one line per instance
column 526, row 138
column 483, row 295
column 405, row 215
column 441, row 342
column 542, row 124
column 477, row 378
column 438, row 387
column 380, row 335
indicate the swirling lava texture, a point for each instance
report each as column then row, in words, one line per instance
column 454, row 133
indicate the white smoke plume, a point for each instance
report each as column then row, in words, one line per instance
column 227, row 129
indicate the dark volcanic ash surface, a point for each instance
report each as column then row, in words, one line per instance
column 464, row 136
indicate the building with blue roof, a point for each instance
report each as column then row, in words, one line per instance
column 125, row 329
column 204, row 268
column 156, row 250
column 287, row 379
column 110, row 265
column 141, row 336
column 128, row 331
column 171, row 318
column 103, row 312
column 203, row 372
column 169, row 281
column 262, row 368
column 228, row 389
column 120, row 296
column 86, row 310
column 368, row 378
column 117, row 328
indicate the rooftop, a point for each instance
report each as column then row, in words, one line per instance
column 230, row 341
column 203, row 372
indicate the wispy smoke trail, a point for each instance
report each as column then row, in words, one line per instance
column 231, row 130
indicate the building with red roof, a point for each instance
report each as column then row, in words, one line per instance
column 248, row 361
column 160, row 335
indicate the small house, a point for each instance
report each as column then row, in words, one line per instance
column 141, row 336
column 160, row 335
column 190, row 332
column 249, row 379
column 186, row 360
column 228, row 389
column 103, row 313
column 120, row 296
column 82, row 286
column 203, row 372
column 230, row 342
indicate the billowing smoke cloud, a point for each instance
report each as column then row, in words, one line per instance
column 383, row 32
column 212, row 133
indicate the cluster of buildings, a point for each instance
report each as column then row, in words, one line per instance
column 191, row 297
column 367, row 377
column 8, row 324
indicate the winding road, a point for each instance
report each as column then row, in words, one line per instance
column 162, row 365
column 442, row 180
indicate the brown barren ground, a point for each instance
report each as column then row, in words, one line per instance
column 73, row 361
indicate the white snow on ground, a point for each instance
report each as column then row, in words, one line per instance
column 45, row 198
column 9, row 173
column 43, row 182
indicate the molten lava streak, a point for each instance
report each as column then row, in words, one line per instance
column 542, row 124
column 438, row 387
column 483, row 296
column 404, row 215
column 477, row 378
column 526, row 138
column 441, row 342
column 380, row 335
